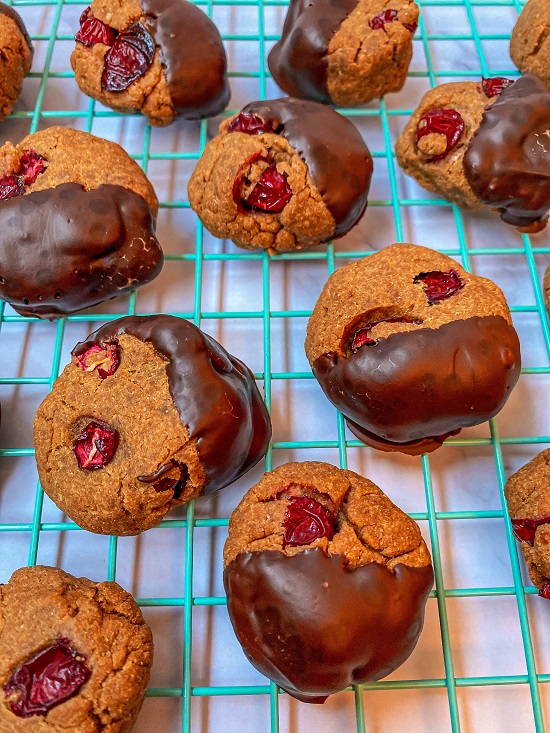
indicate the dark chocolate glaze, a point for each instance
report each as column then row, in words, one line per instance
column 193, row 57
column 14, row 15
column 336, row 155
column 65, row 248
column 507, row 163
column 298, row 62
column 425, row 383
column 314, row 627
column 215, row 393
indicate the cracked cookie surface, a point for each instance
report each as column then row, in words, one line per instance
column 530, row 41
column 101, row 623
column 16, row 54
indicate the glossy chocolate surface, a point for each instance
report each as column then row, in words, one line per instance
column 64, row 248
column 425, row 383
column 508, row 161
column 336, row 155
column 193, row 56
column 215, row 393
column 11, row 13
column 314, row 627
column 298, row 62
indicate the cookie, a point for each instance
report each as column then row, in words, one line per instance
column 74, row 655
column 344, row 53
column 411, row 348
column 326, row 579
column 150, row 413
column 77, row 223
column 528, row 495
column 484, row 146
column 163, row 58
column 282, row 174
column 530, row 41
column 16, row 54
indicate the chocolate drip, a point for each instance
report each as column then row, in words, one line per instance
column 425, row 383
column 314, row 627
column 215, row 393
column 14, row 15
column 193, row 56
column 336, row 155
column 298, row 62
column 508, row 161
column 64, row 248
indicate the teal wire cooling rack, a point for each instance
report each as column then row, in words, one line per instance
column 481, row 664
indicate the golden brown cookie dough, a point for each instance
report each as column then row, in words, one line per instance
column 530, row 42
column 16, row 53
column 344, row 53
column 528, row 495
column 92, row 634
column 315, row 559
column 411, row 347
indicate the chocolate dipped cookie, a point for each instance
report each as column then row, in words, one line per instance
column 530, row 41
column 411, row 348
column 163, row 58
column 484, row 146
column 344, row 53
column 16, row 54
column 77, row 223
column 74, row 655
column 281, row 175
column 150, row 413
column 326, row 580
column 528, row 495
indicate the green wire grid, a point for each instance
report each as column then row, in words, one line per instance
column 525, row 250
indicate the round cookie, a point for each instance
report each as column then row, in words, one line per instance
column 282, row 174
column 484, row 145
column 344, row 53
column 528, row 495
column 74, row 655
column 530, row 41
column 326, row 579
column 411, row 348
column 150, row 413
column 77, row 223
column 16, row 54
column 164, row 58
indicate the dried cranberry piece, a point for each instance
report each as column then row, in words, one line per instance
column 95, row 446
column 411, row 27
column 271, row 192
column 307, row 520
column 446, row 122
column 493, row 87
column 104, row 357
column 386, row 16
column 49, row 678
column 362, row 336
column 11, row 186
column 30, row 166
column 439, row 285
column 248, row 123
column 524, row 529
column 92, row 31
column 128, row 58
column 544, row 592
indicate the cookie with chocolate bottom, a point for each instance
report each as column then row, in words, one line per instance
column 326, row 579
column 16, row 54
column 344, row 53
column 163, row 58
column 484, row 146
column 74, row 655
column 530, row 41
column 411, row 348
column 283, row 174
column 150, row 413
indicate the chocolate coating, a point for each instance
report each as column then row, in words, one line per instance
column 425, row 383
column 336, row 155
column 193, row 56
column 215, row 393
column 64, row 248
column 298, row 62
column 507, row 163
column 14, row 15
column 314, row 627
